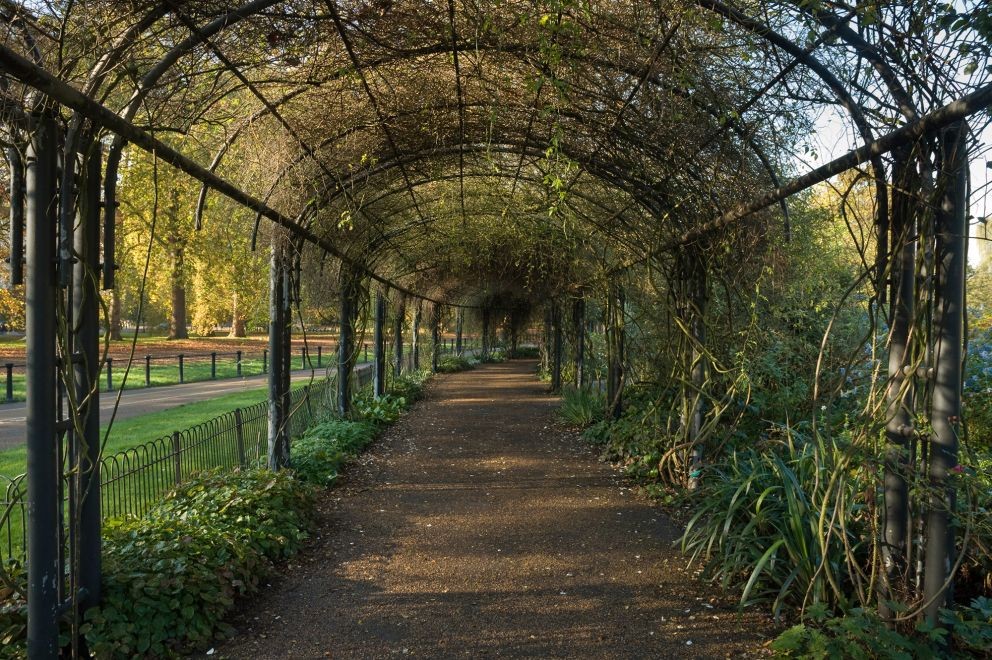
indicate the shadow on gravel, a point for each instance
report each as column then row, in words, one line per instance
column 478, row 528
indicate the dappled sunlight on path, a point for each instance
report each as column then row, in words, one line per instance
column 479, row 527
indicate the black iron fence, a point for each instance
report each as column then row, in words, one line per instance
column 133, row 480
column 150, row 370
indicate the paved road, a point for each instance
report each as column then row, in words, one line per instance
column 143, row 401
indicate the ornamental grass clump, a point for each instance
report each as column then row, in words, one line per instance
column 582, row 407
column 782, row 525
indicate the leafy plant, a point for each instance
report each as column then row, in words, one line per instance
column 977, row 392
column 450, row 364
column 757, row 528
column 495, row 356
column 169, row 578
column 526, row 352
column 13, row 610
column 582, row 406
column 410, row 386
column 317, row 455
column 862, row 634
column 383, row 410
column 640, row 438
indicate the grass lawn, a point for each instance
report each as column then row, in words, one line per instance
column 125, row 434
column 164, row 370
column 136, row 430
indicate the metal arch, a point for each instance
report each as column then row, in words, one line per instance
column 503, row 147
column 36, row 77
column 741, row 133
column 612, row 213
column 509, row 51
column 331, row 139
column 481, row 175
column 927, row 124
column 583, row 216
column 259, row 5
column 840, row 91
column 750, row 24
column 763, row 158
column 510, row 146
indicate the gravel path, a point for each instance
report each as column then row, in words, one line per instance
column 478, row 527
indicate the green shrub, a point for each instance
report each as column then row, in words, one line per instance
column 384, row 410
column 526, row 352
column 169, row 578
column 410, row 386
column 638, row 439
column 975, row 575
column 13, row 610
column 598, row 433
column 496, row 355
column 862, row 634
column 317, row 456
column 757, row 525
column 582, row 406
column 450, row 364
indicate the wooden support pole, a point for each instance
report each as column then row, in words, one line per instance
column 379, row 345
column 435, row 336
column 85, row 487
column 44, row 463
column 346, row 342
column 579, row 329
column 696, row 290
column 557, row 343
column 398, row 335
column 615, row 343
column 15, row 164
column 459, row 323
column 945, row 404
column 486, row 332
column 900, row 390
column 415, row 336
column 278, row 429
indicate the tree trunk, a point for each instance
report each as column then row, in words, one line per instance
column 177, row 323
column 115, row 315
column 177, row 274
column 237, row 319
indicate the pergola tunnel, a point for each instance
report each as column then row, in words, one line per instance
column 641, row 195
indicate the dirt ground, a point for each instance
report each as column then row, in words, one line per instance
column 479, row 527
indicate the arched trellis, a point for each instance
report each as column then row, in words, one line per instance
column 88, row 110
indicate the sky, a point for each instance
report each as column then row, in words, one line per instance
column 835, row 136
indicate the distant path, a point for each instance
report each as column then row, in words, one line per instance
column 143, row 401
column 478, row 527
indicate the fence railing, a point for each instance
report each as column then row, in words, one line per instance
column 134, row 479
column 150, row 370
